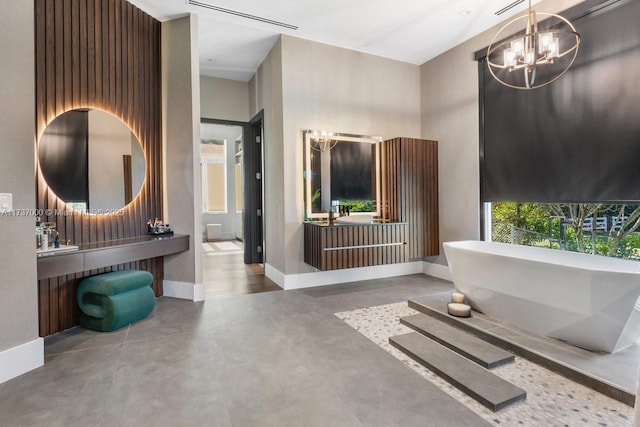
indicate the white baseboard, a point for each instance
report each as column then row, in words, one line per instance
column 198, row 292
column 21, row 359
column 183, row 290
column 436, row 270
column 274, row 274
column 332, row 277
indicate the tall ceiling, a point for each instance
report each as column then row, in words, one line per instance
column 413, row 31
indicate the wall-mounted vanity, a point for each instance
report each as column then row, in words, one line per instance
column 336, row 246
column 388, row 189
column 59, row 273
column 95, row 256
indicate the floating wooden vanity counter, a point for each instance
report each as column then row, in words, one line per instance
column 337, row 246
column 60, row 273
column 93, row 256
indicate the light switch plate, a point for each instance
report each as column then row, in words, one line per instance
column 6, row 202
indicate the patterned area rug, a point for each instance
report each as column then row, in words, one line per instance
column 552, row 400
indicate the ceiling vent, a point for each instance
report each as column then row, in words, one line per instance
column 509, row 7
column 241, row 14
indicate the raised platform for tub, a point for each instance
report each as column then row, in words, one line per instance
column 470, row 346
column 613, row 375
column 484, row 386
column 585, row 300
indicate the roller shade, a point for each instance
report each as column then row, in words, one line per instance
column 577, row 139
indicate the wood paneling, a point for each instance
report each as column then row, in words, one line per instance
column 98, row 54
column 410, row 192
column 349, row 246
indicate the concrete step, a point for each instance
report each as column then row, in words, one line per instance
column 476, row 381
column 581, row 366
column 473, row 348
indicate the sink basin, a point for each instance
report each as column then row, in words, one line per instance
column 355, row 219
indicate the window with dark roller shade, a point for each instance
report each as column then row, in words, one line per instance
column 577, row 139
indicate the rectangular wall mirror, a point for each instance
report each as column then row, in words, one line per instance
column 341, row 170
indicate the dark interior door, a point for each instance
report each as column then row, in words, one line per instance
column 253, row 212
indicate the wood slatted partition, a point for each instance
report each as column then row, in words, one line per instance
column 101, row 54
column 410, row 192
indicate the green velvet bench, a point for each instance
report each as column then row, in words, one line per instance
column 110, row 301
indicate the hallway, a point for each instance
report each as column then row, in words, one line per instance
column 225, row 273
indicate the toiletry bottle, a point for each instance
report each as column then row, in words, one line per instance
column 38, row 232
column 44, row 242
column 56, row 243
column 38, row 236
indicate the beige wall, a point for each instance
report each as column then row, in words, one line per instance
column 328, row 88
column 18, row 284
column 449, row 104
column 224, row 99
column 181, row 141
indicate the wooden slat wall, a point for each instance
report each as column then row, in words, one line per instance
column 317, row 238
column 410, row 191
column 98, row 54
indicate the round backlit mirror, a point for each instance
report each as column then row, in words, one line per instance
column 91, row 160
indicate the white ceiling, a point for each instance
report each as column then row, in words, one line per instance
column 414, row 31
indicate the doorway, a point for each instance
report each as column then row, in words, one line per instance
column 232, row 211
column 222, row 181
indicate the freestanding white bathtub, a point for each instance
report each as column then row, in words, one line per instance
column 586, row 300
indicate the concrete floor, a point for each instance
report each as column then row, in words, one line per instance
column 268, row 359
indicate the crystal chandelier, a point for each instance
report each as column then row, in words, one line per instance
column 535, row 56
column 322, row 141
